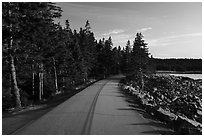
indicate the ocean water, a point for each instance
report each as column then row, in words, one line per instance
column 193, row 76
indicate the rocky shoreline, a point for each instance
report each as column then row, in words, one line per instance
column 172, row 99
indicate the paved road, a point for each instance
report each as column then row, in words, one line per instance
column 100, row 109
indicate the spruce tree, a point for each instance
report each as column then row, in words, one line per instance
column 139, row 57
column 31, row 23
column 127, row 56
column 10, row 26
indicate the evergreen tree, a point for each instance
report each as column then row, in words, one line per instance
column 10, row 26
column 67, row 25
column 127, row 56
column 32, row 23
column 98, row 68
column 139, row 57
column 59, row 54
column 78, row 61
column 128, row 48
column 87, row 27
column 87, row 46
column 40, row 22
column 107, row 56
column 115, row 61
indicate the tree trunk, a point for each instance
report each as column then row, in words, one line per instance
column 33, row 81
column 14, row 86
column 86, row 76
column 63, row 82
column 40, row 81
column 40, row 97
column 55, row 76
column 142, row 79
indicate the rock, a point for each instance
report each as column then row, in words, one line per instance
column 168, row 97
column 165, row 115
column 188, row 126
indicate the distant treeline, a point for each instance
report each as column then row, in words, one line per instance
column 183, row 65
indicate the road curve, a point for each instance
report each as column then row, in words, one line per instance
column 100, row 109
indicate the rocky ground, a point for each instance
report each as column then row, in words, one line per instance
column 175, row 100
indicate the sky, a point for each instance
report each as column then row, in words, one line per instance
column 172, row 30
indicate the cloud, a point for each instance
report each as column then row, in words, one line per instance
column 184, row 35
column 144, row 29
column 169, row 40
column 116, row 31
column 121, row 39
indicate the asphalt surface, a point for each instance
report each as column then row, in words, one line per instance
column 100, row 109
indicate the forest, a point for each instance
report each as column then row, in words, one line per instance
column 41, row 58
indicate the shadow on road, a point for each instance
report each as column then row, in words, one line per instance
column 159, row 132
column 134, row 105
column 126, row 109
column 155, row 124
column 115, row 78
